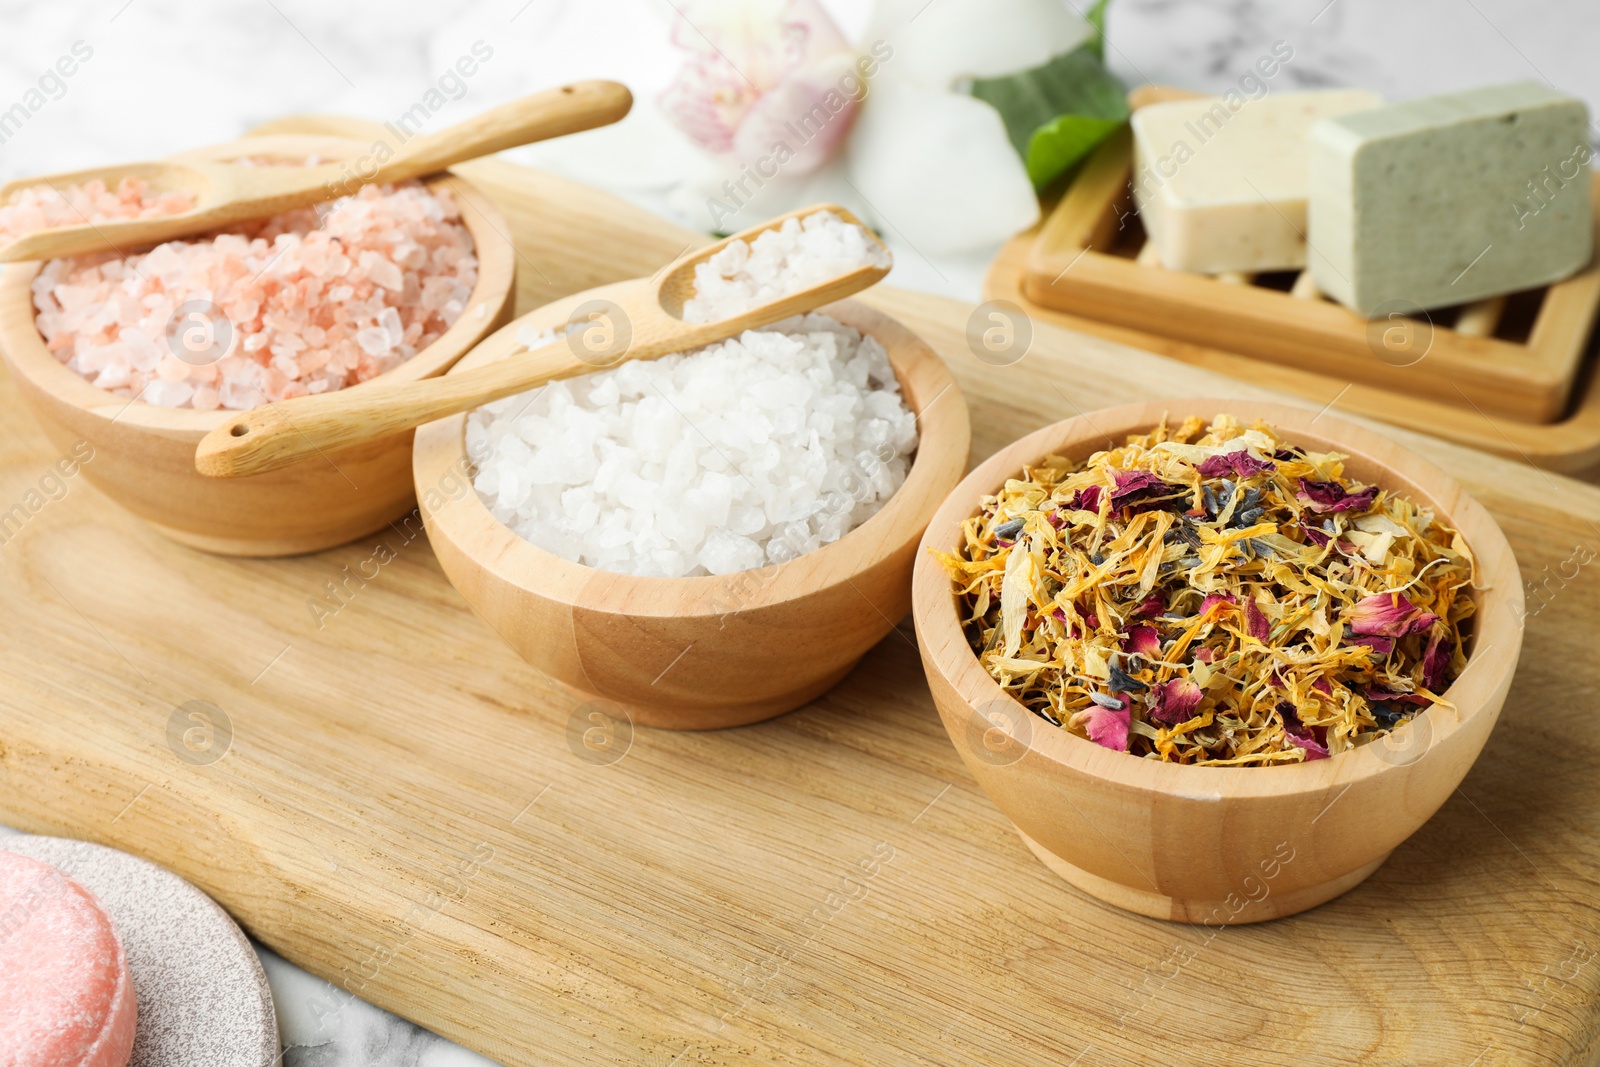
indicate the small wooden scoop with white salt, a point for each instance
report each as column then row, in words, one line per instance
column 225, row 194
column 647, row 324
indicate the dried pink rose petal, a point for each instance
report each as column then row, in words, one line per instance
column 1331, row 496
column 1387, row 615
column 1142, row 641
column 1380, row 695
column 1109, row 726
column 1137, row 487
column 1255, row 622
column 1306, row 737
column 1214, row 600
column 1381, row 646
column 1175, row 701
column 1239, row 463
column 1085, row 499
column 1436, row 659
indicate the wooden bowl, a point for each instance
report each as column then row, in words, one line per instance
column 706, row 652
column 1217, row 845
column 143, row 455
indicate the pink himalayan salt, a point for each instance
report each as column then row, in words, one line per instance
column 43, row 207
column 315, row 299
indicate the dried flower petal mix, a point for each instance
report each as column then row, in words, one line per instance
column 1213, row 595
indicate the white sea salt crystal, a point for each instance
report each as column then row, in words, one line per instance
column 796, row 256
column 745, row 453
column 749, row 452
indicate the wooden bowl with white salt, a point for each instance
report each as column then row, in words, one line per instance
column 708, row 651
column 142, row 455
column 1218, row 845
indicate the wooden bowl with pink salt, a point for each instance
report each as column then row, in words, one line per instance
column 130, row 361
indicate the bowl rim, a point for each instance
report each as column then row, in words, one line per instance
column 943, row 442
column 25, row 351
column 1497, row 634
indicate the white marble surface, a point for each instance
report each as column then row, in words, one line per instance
column 167, row 75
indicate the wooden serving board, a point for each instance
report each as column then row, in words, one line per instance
column 1517, row 357
column 400, row 806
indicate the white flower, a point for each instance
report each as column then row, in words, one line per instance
column 788, row 113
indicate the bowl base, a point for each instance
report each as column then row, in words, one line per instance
column 1232, row 911
column 264, row 548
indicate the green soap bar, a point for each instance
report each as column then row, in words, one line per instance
column 1450, row 199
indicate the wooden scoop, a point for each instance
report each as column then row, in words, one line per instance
column 227, row 193
column 600, row 334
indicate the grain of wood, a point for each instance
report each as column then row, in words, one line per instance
column 399, row 809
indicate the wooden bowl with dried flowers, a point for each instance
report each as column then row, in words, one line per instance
column 1305, row 630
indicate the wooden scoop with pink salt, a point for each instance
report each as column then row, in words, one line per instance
column 137, row 204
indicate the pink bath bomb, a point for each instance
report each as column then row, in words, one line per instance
column 66, row 997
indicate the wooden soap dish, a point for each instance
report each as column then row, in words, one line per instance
column 1517, row 356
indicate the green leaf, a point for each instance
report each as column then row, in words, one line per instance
column 1058, row 146
column 1057, row 113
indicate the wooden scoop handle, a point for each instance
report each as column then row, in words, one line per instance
column 275, row 436
column 278, row 435
column 553, row 113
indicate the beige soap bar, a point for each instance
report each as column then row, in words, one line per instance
column 1450, row 199
column 1224, row 188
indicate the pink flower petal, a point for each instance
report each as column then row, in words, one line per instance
column 752, row 79
column 1314, row 749
column 808, row 113
column 1300, row 734
column 1086, row 499
column 1142, row 641
column 1137, row 487
column 1109, row 726
column 1331, row 496
column 1436, row 660
column 1380, row 646
column 1388, row 615
column 1175, row 701
column 1256, row 622
column 1380, row 695
column 1239, row 463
